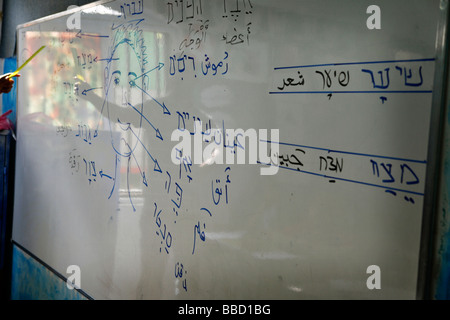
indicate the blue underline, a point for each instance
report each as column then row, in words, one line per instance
column 332, row 92
column 354, row 63
column 346, row 152
column 346, row 180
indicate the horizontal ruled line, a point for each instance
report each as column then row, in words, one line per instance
column 333, row 92
column 346, row 152
column 354, row 63
column 347, row 180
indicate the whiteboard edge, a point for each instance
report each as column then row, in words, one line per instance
column 61, row 14
column 430, row 212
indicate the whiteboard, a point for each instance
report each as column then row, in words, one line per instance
column 227, row 149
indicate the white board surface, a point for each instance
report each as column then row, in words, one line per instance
column 339, row 114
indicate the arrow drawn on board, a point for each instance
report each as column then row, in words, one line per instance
column 158, row 133
column 102, row 174
column 87, row 90
column 97, row 59
column 163, row 105
column 156, row 168
column 159, row 67
column 142, row 173
column 91, row 35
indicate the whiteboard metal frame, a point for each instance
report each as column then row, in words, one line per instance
column 431, row 212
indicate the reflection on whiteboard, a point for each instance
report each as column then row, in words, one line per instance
column 226, row 149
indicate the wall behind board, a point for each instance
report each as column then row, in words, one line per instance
column 16, row 12
column 31, row 280
column 128, row 122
